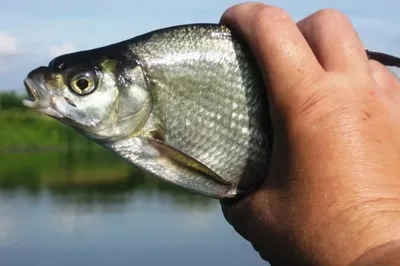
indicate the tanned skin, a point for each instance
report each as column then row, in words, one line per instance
column 332, row 195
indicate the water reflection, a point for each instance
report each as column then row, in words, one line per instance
column 85, row 178
column 88, row 207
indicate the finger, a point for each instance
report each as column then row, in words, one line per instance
column 334, row 41
column 382, row 75
column 280, row 49
column 249, row 216
column 387, row 81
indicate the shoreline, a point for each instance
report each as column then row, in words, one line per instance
column 46, row 148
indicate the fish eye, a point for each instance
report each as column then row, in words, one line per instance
column 83, row 83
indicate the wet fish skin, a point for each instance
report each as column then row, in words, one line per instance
column 185, row 103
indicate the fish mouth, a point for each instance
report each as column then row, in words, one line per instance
column 32, row 94
column 39, row 98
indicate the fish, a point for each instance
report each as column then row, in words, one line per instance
column 185, row 103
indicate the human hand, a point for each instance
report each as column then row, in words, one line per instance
column 333, row 189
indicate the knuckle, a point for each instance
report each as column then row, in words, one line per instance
column 314, row 103
column 310, row 106
column 322, row 104
column 264, row 16
column 331, row 16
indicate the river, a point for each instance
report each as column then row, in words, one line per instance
column 87, row 208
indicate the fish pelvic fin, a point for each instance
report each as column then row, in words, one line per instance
column 184, row 160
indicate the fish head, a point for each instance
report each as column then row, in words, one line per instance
column 100, row 94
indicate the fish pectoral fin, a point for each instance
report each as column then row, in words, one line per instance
column 185, row 160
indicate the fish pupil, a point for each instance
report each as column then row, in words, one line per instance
column 82, row 83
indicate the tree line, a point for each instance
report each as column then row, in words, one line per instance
column 11, row 100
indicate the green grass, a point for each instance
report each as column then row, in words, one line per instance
column 92, row 177
column 74, row 166
column 22, row 127
column 27, row 128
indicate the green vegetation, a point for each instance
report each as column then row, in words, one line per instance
column 24, row 128
column 86, row 178
column 39, row 154
column 11, row 100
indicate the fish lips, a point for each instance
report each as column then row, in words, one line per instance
column 39, row 97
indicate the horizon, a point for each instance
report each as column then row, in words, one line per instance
column 24, row 47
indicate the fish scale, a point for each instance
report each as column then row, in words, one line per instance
column 223, row 144
column 195, row 85
column 185, row 103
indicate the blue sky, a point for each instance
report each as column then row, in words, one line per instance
column 32, row 32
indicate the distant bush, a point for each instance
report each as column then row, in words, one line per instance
column 11, row 100
column 24, row 127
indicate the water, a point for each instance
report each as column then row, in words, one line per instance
column 90, row 208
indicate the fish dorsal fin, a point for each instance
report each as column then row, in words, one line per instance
column 187, row 161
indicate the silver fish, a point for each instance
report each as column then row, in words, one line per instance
column 185, row 103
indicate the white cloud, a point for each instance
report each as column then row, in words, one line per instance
column 8, row 44
column 65, row 48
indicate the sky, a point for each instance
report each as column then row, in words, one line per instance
column 33, row 32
